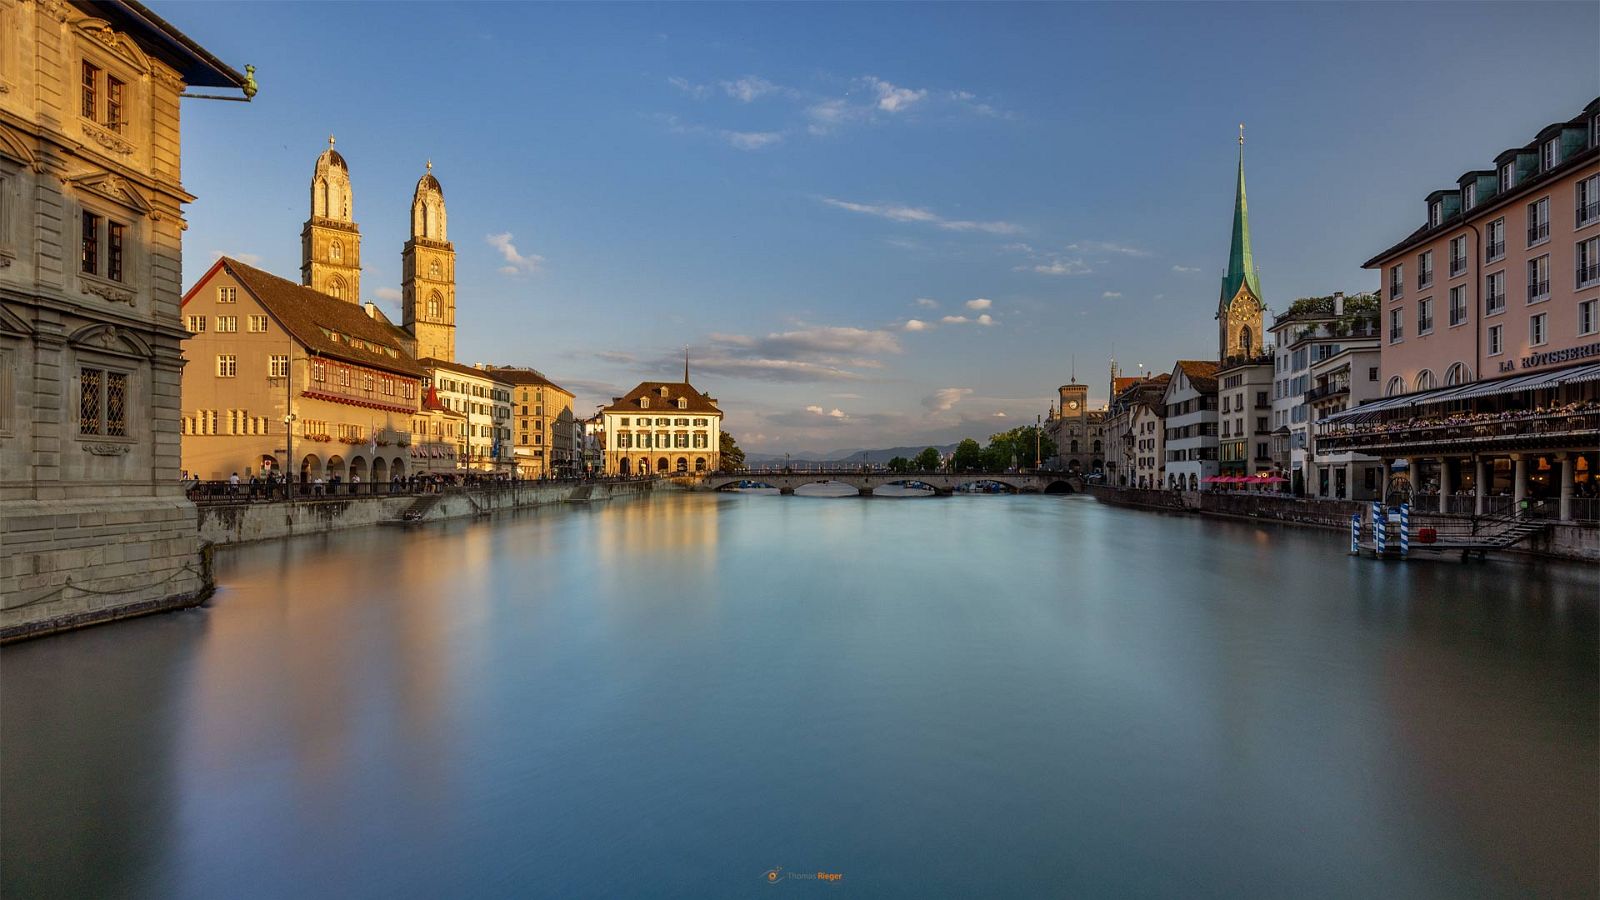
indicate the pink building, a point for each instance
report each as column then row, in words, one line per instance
column 1504, row 273
column 1490, row 318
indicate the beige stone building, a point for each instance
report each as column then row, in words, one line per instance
column 281, row 375
column 542, row 441
column 95, row 524
column 484, row 398
column 662, row 427
column 1079, row 432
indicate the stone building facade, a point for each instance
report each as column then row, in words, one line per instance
column 95, row 523
column 662, row 428
column 541, row 430
column 281, row 375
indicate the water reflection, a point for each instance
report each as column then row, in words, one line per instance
column 994, row 695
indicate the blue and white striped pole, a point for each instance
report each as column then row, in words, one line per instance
column 1405, row 528
column 1380, row 529
column 1355, row 534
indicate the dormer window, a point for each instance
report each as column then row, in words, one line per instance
column 644, row 402
column 1507, row 176
column 663, row 391
column 1435, row 213
column 1469, row 196
column 1549, row 155
column 683, row 403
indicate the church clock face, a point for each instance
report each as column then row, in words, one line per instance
column 1072, row 404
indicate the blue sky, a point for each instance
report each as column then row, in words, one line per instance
column 785, row 188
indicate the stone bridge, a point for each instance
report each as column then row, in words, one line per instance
column 941, row 483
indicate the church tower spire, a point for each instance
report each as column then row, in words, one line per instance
column 428, row 273
column 330, row 242
column 1240, row 305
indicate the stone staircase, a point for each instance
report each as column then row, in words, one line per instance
column 581, row 494
column 418, row 510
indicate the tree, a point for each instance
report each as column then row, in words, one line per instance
column 968, row 456
column 732, row 456
column 1020, row 443
column 927, row 461
column 899, row 465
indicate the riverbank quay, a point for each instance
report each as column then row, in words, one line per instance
column 1571, row 541
column 240, row 519
column 110, row 579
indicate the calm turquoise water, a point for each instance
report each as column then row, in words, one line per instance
column 965, row 696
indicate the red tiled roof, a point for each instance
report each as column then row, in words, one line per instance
column 519, row 376
column 695, row 401
column 1202, row 373
column 333, row 328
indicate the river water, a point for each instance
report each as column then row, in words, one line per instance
column 961, row 696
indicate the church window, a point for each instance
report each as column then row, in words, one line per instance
column 433, row 269
column 435, row 305
column 336, row 251
column 336, row 288
column 1245, row 340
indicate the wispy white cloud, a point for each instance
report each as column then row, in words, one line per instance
column 1106, row 248
column 1185, row 269
column 979, row 303
column 515, row 262
column 927, row 303
column 822, row 353
column 892, row 98
column 916, row 325
column 1111, row 295
column 834, row 413
column 895, row 212
column 751, row 140
column 387, row 293
column 984, row 319
column 945, row 399
column 249, row 259
column 749, row 88
column 697, row 91
column 1060, row 266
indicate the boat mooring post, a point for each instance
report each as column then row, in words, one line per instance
column 1355, row 534
column 1380, row 529
column 1405, row 529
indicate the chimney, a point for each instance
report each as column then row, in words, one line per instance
column 1338, row 303
column 372, row 309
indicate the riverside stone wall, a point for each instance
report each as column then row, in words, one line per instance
column 237, row 523
column 1561, row 540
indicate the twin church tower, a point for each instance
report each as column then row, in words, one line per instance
column 330, row 254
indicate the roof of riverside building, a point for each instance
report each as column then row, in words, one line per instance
column 337, row 329
column 694, row 401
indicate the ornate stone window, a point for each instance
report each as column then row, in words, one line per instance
column 435, row 305
column 336, row 250
column 102, row 402
column 433, row 269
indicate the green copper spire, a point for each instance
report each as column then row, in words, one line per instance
column 1241, row 266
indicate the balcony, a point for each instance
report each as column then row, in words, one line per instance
column 1327, row 390
column 1494, row 251
column 1468, row 432
column 1458, row 266
column 1538, row 232
column 1588, row 276
column 1589, row 212
column 1539, row 290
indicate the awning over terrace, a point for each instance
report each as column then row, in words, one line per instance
column 1494, row 387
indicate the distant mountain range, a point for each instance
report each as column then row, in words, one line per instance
column 847, row 456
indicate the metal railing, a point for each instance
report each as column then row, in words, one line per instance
column 1587, row 213
column 1533, row 425
column 1494, row 251
column 1538, row 232
column 225, row 492
column 1588, row 275
column 1538, row 290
